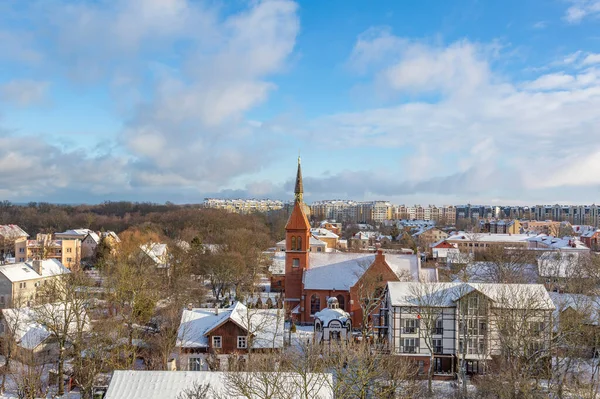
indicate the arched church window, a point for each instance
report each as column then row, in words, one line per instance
column 299, row 244
column 315, row 304
column 293, row 243
column 341, row 302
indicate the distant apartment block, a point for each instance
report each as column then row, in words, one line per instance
column 574, row 214
column 244, row 205
column 66, row 251
column 443, row 214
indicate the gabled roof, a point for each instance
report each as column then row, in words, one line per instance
column 510, row 296
column 265, row 325
column 80, row 233
column 12, row 231
column 298, row 219
column 28, row 332
column 24, row 271
column 340, row 271
column 134, row 384
column 321, row 232
column 94, row 236
column 588, row 306
column 157, row 252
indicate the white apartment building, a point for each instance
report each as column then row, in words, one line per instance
column 464, row 323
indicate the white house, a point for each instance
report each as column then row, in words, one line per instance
column 456, row 320
column 332, row 323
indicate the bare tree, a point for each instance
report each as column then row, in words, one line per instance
column 196, row 391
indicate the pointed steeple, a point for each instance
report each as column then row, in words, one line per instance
column 299, row 190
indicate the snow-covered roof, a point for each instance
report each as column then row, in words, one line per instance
column 12, row 231
column 511, row 296
column 79, row 233
column 561, row 264
column 24, row 271
column 94, row 236
column 461, row 236
column 565, row 243
column 29, row 332
column 156, row 251
column 487, row 272
column 278, row 264
column 588, row 306
column 320, row 232
column 112, row 234
column 328, row 314
column 590, row 233
column 341, row 271
column 134, row 384
column 265, row 325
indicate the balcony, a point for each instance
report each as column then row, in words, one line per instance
column 438, row 350
column 409, row 349
column 437, row 331
column 409, row 330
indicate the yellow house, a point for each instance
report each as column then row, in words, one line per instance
column 68, row 252
column 20, row 281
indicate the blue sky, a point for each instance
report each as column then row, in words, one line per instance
column 416, row 102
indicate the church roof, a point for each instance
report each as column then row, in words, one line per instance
column 298, row 219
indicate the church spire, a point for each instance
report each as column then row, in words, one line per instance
column 299, row 191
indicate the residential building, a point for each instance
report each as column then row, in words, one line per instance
column 90, row 242
column 312, row 278
column 591, row 239
column 206, row 338
column 134, row 384
column 441, row 250
column 478, row 242
column 34, row 343
column 157, row 253
column 66, row 251
column 465, row 321
column 565, row 244
column 244, row 206
column 547, row 227
column 19, row 281
column 578, row 317
column 429, row 235
column 332, row 225
column 326, row 236
column 9, row 233
column 500, row 226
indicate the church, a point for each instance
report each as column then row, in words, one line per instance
column 312, row 278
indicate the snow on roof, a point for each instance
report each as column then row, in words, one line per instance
column 588, row 306
column 94, row 236
column 81, row 233
column 461, row 236
column 316, row 241
column 157, row 252
column 341, row 271
column 511, row 296
column 133, row 384
column 590, row 233
column 320, row 232
column 28, row 332
column 560, row 264
column 565, row 243
column 12, row 231
column 278, row 264
column 24, row 271
column 328, row 314
column 110, row 234
column 265, row 325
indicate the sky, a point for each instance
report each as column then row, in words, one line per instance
column 431, row 102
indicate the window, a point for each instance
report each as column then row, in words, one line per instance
column 410, row 326
column 439, row 327
column 409, row 345
column 299, row 248
column 319, row 249
column 195, row 364
column 293, row 243
column 296, row 262
column 69, row 250
column 21, row 250
column 315, row 304
column 242, row 342
column 23, row 285
column 421, row 367
column 69, row 259
column 437, row 346
column 1, row 300
column 216, row 341
column 341, row 301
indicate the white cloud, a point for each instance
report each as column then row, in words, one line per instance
column 540, row 25
column 591, row 58
column 23, row 92
column 581, row 9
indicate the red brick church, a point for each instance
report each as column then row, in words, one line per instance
column 311, row 278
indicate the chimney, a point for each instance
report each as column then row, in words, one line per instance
column 216, row 309
column 379, row 256
column 37, row 266
column 190, row 306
